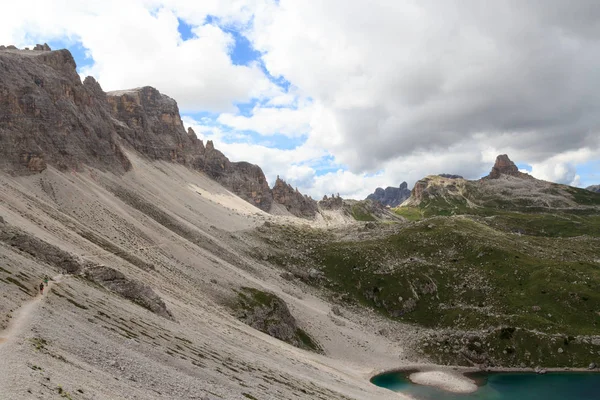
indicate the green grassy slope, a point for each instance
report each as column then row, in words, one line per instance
column 500, row 286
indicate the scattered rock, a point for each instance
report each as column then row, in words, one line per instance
column 314, row 273
column 288, row 276
column 592, row 366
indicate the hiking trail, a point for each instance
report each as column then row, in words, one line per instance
column 22, row 316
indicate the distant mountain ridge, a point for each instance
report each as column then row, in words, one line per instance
column 391, row 196
column 594, row 188
column 505, row 187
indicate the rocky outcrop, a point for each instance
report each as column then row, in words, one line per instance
column 504, row 166
column 130, row 289
column 246, row 180
column 269, row 314
column 451, row 176
column 42, row 251
column 42, row 47
column 391, row 196
column 295, row 202
column 155, row 129
column 331, row 203
column 48, row 116
column 594, row 188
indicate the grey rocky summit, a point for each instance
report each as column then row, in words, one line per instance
column 295, row 202
column 391, row 196
column 505, row 167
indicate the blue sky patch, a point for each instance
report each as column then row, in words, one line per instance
column 185, row 30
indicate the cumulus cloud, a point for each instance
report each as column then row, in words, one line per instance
column 137, row 43
column 401, row 77
column 382, row 92
column 290, row 122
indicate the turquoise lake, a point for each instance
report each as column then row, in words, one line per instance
column 505, row 386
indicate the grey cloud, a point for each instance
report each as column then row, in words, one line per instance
column 506, row 74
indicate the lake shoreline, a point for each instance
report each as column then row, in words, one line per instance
column 457, row 379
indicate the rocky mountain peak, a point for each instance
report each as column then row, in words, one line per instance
column 295, row 202
column 391, row 196
column 504, row 166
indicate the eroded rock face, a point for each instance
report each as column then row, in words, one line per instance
column 504, row 166
column 246, row 180
column 156, row 130
column 130, row 289
column 48, row 116
column 295, row 202
column 37, row 248
column 391, row 196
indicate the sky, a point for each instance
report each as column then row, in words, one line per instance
column 343, row 96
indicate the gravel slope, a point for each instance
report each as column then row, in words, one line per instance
column 174, row 230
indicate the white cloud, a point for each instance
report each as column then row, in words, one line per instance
column 271, row 121
column 136, row 43
column 397, row 78
column 386, row 90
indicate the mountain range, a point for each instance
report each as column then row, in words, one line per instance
column 177, row 273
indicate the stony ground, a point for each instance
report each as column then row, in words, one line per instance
column 183, row 237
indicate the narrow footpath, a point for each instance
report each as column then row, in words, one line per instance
column 22, row 316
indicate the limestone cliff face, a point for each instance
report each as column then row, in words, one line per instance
column 156, row 130
column 295, row 202
column 155, row 127
column 48, row 116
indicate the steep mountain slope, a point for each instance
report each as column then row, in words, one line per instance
column 150, row 254
column 594, row 188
